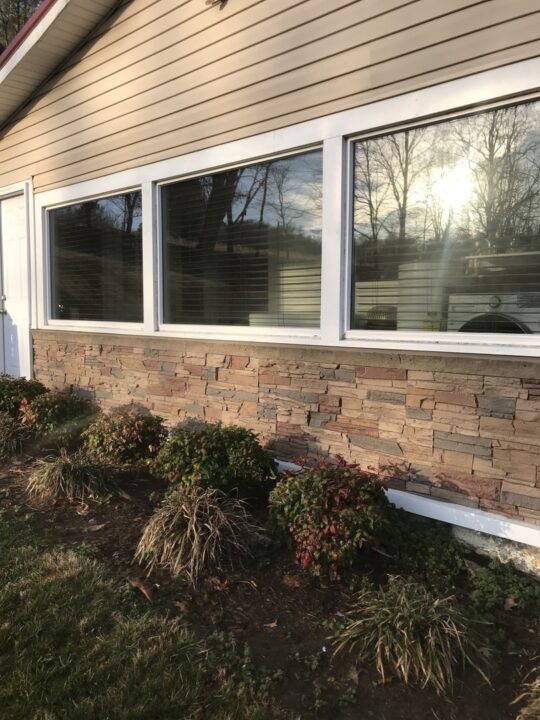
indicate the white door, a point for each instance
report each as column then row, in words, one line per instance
column 14, row 287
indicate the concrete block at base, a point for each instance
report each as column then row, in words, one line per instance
column 525, row 557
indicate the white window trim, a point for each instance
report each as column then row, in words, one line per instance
column 501, row 86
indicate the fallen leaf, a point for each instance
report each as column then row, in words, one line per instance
column 141, row 585
column 509, row 603
column 95, row 528
column 271, row 625
column 218, row 584
column 291, row 581
column 125, row 495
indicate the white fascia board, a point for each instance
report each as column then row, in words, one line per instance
column 33, row 38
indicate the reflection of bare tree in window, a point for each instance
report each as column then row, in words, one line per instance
column 230, row 235
column 502, row 148
column 371, row 188
column 404, row 158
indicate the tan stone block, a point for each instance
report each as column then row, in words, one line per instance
column 498, row 507
column 466, row 380
column 482, row 466
column 238, row 377
column 382, row 373
column 520, row 489
column 420, row 375
column 457, row 460
column 465, row 401
column 448, row 478
column 320, row 386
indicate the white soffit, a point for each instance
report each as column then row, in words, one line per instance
column 62, row 27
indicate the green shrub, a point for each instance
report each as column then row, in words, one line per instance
column 125, row 437
column 74, row 476
column 195, row 532
column 60, row 416
column 13, row 436
column 417, row 635
column 14, row 390
column 212, row 455
column 330, row 511
column 530, row 694
column 422, row 547
column 492, row 586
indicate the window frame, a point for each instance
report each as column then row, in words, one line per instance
column 47, row 284
column 335, row 133
column 219, row 331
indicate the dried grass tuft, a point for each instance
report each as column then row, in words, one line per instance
column 408, row 631
column 196, row 532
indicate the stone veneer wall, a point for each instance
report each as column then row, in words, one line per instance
column 460, row 428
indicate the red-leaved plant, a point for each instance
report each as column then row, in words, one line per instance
column 330, row 512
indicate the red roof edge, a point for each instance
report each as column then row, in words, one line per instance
column 32, row 22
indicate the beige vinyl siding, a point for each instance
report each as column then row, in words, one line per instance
column 161, row 79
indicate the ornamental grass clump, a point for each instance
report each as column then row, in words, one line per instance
column 75, row 477
column 127, row 437
column 410, row 632
column 14, row 390
column 13, row 436
column 530, row 695
column 329, row 512
column 213, row 455
column 196, row 532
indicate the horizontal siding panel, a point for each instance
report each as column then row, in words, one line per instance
column 155, row 29
column 158, row 79
column 123, row 161
column 395, row 76
column 262, row 99
column 268, row 65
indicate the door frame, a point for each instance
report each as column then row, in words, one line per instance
column 25, row 339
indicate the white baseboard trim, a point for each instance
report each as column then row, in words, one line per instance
column 448, row 512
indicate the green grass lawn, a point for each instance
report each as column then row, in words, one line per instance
column 77, row 645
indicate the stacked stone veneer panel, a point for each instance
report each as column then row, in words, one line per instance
column 459, row 428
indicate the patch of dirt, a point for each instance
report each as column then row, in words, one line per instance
column 282, row 614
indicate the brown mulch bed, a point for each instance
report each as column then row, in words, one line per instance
column 282, row 614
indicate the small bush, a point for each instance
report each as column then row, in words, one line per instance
column 196, row 531
column 75, row 477
column 409, row 631
column 492, row 586
column 212, row 455
column 126, row 437
column 60, row 416
column 530, row 694
column 330, row 511
column 13, row 436
column 14, row 390
column 422, row 547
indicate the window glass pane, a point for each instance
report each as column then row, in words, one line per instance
column 96, row 260
column 243, row 247
column 447, row 226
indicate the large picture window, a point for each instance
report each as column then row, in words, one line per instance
column 243, row 247
column 447, row 226
column 96, row 260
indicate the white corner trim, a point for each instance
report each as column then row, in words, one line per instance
column 447, row 512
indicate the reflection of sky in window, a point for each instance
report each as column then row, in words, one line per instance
column 116, row 209
column 447, row 187
column 293, row 195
